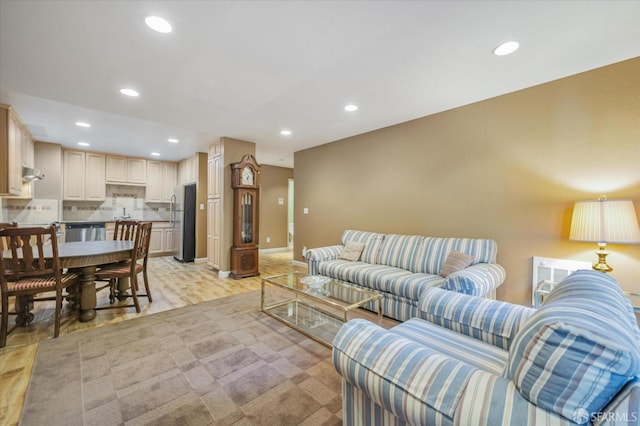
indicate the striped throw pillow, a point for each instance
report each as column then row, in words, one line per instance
column 576, row 353
column 455, row 261
column 351, row 251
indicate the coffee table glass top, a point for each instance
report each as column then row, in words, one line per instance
column 317, row 313
column 335, row 293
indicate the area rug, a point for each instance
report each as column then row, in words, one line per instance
column 220, row 362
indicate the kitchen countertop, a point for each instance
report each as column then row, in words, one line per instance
column 62, row 222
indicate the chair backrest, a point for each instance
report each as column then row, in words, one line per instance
column 125, row 230
column 142, row 241
column 27, row 258
column 4, row 241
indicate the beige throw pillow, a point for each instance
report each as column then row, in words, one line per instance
column 351, row 251
column 455, row 261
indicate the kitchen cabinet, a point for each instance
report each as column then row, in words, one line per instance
column 161, row 181
column 156, row 243
column 15, row 138
column 28, row 151
column 125, row 170
column 215, row 180
column 161, row 237
column 153, row 192
column 169, row 176
column 83, row 176
column 95, row 185
column 168, row 240
column 28, row 160
column 214, row 177
column 214, row 232
column 188, row 170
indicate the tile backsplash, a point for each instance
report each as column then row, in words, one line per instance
column 120, row 200
column 34, row 211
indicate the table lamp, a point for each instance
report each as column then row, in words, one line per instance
column 604, row 221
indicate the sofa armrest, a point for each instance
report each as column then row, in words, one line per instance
column 480, row 279
column 493, row 400
column 316, row 255
column 491, row 321
column 414, row 382
column 624, row 409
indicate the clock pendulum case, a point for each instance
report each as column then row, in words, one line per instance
column 244, row 252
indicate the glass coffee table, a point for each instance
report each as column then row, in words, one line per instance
column 318, row 314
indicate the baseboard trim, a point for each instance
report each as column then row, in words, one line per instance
column 298, row 263
column 274, row 250
column 224, row 274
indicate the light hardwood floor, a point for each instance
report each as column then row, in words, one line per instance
column 173, row 285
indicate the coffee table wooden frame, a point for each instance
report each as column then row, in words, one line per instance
column 316, row 314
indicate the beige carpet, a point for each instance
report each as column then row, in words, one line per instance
column 220, row 362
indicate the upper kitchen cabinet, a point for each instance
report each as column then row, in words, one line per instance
column 169, row 180
column 215, row 174
column 161, row 181
column 83, row 176
column 188, row 170
column 16, row 150
column 124, row 170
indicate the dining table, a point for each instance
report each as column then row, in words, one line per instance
column 83, row 257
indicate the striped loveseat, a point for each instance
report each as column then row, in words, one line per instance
column 473, row 361
column 401, row 267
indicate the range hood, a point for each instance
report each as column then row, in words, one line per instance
column 30, row 174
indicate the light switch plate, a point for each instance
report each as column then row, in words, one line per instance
column 305, row 210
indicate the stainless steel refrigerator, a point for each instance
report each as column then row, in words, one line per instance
column 183, row 222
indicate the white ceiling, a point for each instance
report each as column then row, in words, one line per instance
column 247, row 69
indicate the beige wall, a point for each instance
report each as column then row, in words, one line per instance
column 508, row 168
column 274, row 184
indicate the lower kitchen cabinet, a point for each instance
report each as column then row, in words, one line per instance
column 161, row 238
column 155, row 246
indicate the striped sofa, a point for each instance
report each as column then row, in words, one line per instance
column 474, row 361
column 401, row 267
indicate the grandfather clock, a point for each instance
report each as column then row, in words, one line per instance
column 244, row 253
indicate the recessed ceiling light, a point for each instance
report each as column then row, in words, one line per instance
column 129, row 92
column 158, row 24
column 351, row 108
column 83, row 143
column 82, row 124
column 506, row 48
column 172, row 140
column 155, row 154
column 285, row 132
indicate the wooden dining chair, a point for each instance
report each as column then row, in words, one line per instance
column 125, row 230
column 27, row 271
column 130, row 269
column 3, row 240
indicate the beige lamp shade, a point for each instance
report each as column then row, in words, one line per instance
column 605, row 221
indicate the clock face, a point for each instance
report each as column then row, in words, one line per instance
column 247, row 176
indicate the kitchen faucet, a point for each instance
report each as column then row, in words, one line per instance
column 124, row 214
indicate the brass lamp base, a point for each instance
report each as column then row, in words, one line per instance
column 602, row 259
